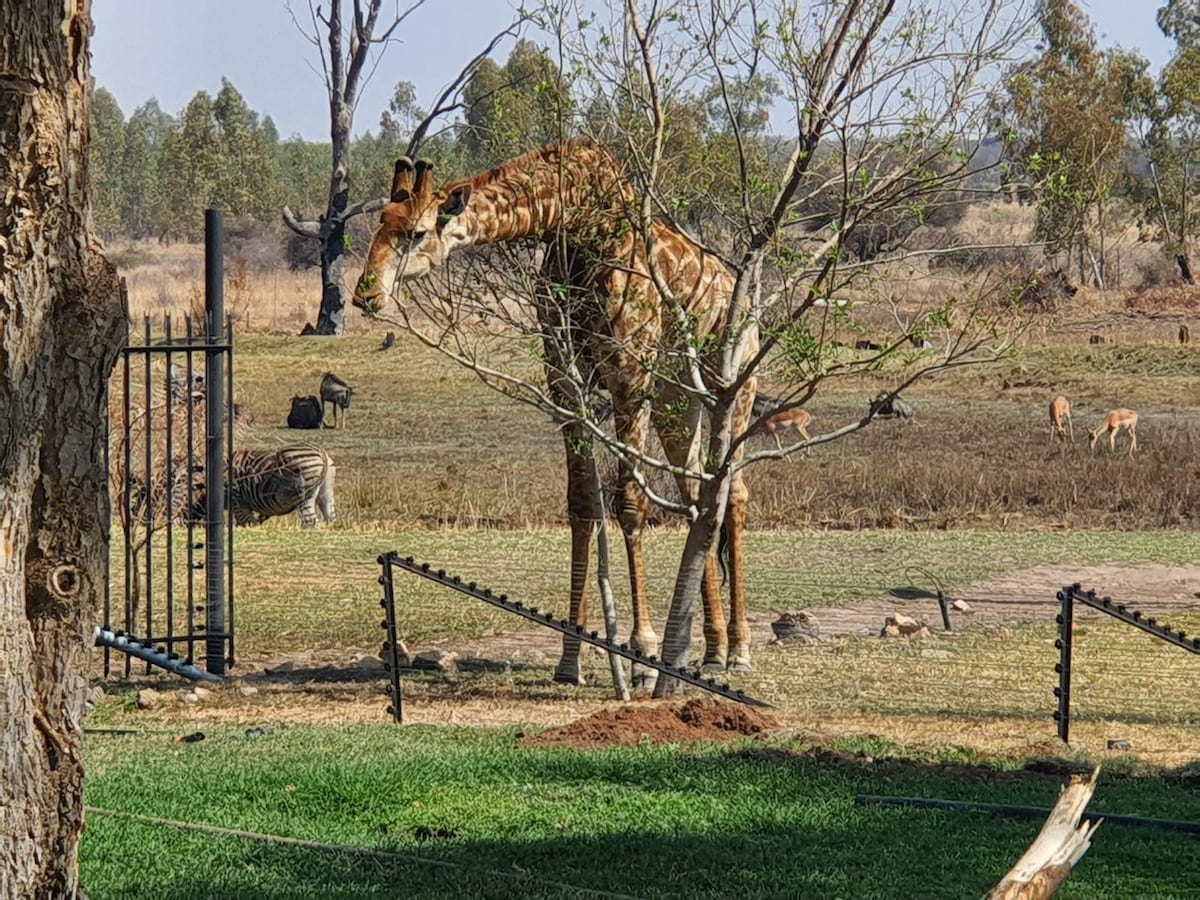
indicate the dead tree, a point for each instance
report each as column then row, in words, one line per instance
column 343, row 48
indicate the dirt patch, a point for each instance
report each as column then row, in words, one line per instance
column 699, row 719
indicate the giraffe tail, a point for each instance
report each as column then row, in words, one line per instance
column 723, row 553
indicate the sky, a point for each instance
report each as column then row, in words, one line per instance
column 170, row 49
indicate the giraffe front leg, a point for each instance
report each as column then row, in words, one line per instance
column 716, row 643
column 642, row 637
column 567, row 671
column 739, row 626
column 583, row 516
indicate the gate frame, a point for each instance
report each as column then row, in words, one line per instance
column 216, row 344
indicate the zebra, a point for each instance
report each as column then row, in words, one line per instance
column 336, row 391
column 267, row 483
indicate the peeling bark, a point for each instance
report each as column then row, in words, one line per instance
column 60, row 330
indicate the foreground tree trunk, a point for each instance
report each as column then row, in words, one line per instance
column 60, row 329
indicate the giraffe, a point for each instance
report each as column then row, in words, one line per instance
column 574, row 196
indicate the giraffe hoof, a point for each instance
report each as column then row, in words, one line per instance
column 712, row 666
column 644, row 679
column 741, row 664
column 569, row 676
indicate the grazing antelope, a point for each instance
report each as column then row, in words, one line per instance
column 1114, row 422
column 789, row 418
column 1060, row 408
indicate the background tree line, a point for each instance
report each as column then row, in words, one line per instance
column 1085, row 134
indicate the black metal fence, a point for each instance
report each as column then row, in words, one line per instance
column 172, row 442
column 1068, row 597
column 392, row 561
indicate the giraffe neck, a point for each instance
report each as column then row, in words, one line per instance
column 575, row 188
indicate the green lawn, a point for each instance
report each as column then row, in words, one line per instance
column 759, row 821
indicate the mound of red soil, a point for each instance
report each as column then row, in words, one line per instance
column 694, row 720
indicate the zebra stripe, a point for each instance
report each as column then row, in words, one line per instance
column 268, row 483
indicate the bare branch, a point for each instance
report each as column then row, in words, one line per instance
column 303, row 228
column 446, row 101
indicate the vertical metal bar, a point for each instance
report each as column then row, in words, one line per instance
column 229, row 397
column 148, row 594
column 942, row 606
column 214, row 472
column 396, row 707
column 127, row 401
column 1066, row 619
column 171, row 499
column 191, row 498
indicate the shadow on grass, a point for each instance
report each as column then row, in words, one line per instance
column 464, row 812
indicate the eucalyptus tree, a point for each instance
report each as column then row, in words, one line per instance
column 1168, row 130
column 1065, row 129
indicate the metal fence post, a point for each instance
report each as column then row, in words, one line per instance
column 1066, row 624
column 214, row 385
column 392, row 646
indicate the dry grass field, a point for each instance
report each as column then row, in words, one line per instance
column 434, row 464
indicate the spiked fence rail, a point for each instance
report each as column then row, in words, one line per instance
column 392, row 560
column 1075, row 593
column 144, row 650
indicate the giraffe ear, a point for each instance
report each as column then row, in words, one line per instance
column 456, row 203
column 423, row 182
column 402, row 180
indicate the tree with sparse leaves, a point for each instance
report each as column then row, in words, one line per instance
column 580, row 267
column 1065, row 128
column 344, row 38
column 1168, row 129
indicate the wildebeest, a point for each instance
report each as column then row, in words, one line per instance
column 1185, row 334
column 891, row 406
column 1096, row 339
column 336, row 391
column 306, row 412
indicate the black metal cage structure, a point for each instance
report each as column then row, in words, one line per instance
column 172, row 443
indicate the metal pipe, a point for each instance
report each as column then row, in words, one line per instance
column 1021, row 812
column 396, row 708
column 130, row 645
column 192, row 546
column 170, row 382
column 214, row 551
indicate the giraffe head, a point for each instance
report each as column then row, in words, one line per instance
column 409, row 240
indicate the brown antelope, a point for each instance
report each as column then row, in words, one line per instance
column 1060, row 409
column 1114, row 422
column 789, row 418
